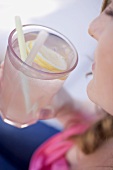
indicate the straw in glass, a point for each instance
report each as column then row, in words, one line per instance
column 23, row 55
column 40, row 40
column 21, row 40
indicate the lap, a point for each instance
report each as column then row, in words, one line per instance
column 17, row 145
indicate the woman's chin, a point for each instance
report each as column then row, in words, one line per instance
column 97, row 98
column 90, row 92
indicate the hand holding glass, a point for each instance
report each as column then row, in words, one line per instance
column 28, row 88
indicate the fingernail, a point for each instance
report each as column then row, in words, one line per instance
column 46, row 113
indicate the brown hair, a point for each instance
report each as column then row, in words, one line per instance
column 96, row 135
column 104, row 4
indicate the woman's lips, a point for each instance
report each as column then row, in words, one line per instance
column 93, row 66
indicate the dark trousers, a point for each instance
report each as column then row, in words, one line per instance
column 18, row 145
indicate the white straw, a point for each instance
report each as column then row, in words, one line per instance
column 40, row 40
column 23, row 55
column 21, row 40
column 25, row 88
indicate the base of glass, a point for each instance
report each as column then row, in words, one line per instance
column 17, row 124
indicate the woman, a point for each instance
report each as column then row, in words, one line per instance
column 94, row 147
column 100, row 91
column 94, row 143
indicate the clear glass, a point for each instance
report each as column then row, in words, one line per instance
column 27, row 90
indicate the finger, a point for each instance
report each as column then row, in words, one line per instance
column 2, row 64
column 1, row 73
column 46, row 113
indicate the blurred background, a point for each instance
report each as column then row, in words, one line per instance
column 69, row 17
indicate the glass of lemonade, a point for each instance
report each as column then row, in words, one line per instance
column 26, row 89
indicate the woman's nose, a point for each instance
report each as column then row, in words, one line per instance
column 94, row 29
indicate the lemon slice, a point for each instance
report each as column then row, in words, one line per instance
column 48, row 59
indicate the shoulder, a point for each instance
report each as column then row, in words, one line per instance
column 101, row 159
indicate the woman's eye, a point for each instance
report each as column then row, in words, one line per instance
column 109, row 12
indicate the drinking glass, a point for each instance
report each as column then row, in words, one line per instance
column 26, row 89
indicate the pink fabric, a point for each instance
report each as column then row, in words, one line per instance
column 51, row 154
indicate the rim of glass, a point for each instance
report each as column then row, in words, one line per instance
column 37, row 70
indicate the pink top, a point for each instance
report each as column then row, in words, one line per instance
column 51, row 154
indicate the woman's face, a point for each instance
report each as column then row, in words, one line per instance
column 100, row 88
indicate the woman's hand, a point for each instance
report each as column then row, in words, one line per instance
column 68, row 110
column 65, row 107
column 1, row 71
